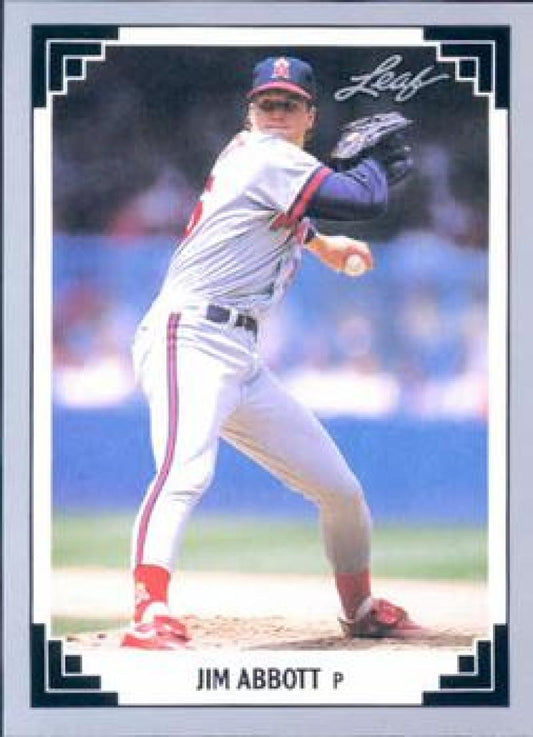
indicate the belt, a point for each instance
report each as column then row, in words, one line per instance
column 216, row 313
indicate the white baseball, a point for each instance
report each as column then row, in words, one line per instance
column 354, row 265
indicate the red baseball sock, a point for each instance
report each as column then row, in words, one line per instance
column 151, row 586
column 353, row 589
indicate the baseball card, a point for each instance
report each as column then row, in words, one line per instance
column 265, row 345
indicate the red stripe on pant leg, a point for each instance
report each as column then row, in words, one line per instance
column 172, row 398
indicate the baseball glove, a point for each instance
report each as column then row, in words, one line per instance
column 380, row 136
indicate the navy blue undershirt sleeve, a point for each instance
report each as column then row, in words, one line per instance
column 356, row 194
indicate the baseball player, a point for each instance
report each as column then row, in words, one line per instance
column 195, row 351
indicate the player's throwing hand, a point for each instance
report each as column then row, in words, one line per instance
column 342, row 253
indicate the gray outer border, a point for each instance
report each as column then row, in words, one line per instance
column 19, row 720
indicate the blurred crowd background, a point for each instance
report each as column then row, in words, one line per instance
column 133, row 144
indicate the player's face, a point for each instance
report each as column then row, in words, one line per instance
column 287, row 115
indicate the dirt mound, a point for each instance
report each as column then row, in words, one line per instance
column 245, row 612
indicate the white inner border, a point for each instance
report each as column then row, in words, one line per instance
column 498, row 348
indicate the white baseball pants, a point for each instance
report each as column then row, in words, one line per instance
column 205, row 380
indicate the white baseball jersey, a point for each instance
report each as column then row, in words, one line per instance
column 242, row 245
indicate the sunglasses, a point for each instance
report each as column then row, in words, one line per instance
column 285, row 106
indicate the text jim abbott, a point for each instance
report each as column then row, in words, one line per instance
column 211, row 679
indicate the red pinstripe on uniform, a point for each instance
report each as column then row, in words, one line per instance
column 310, row 187
column 297, row 210
column 173, row 407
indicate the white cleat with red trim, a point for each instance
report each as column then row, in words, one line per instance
column 163, row 632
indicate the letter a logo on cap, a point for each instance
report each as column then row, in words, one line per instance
column 281, row 68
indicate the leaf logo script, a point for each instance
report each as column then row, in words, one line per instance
column 384, row 79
